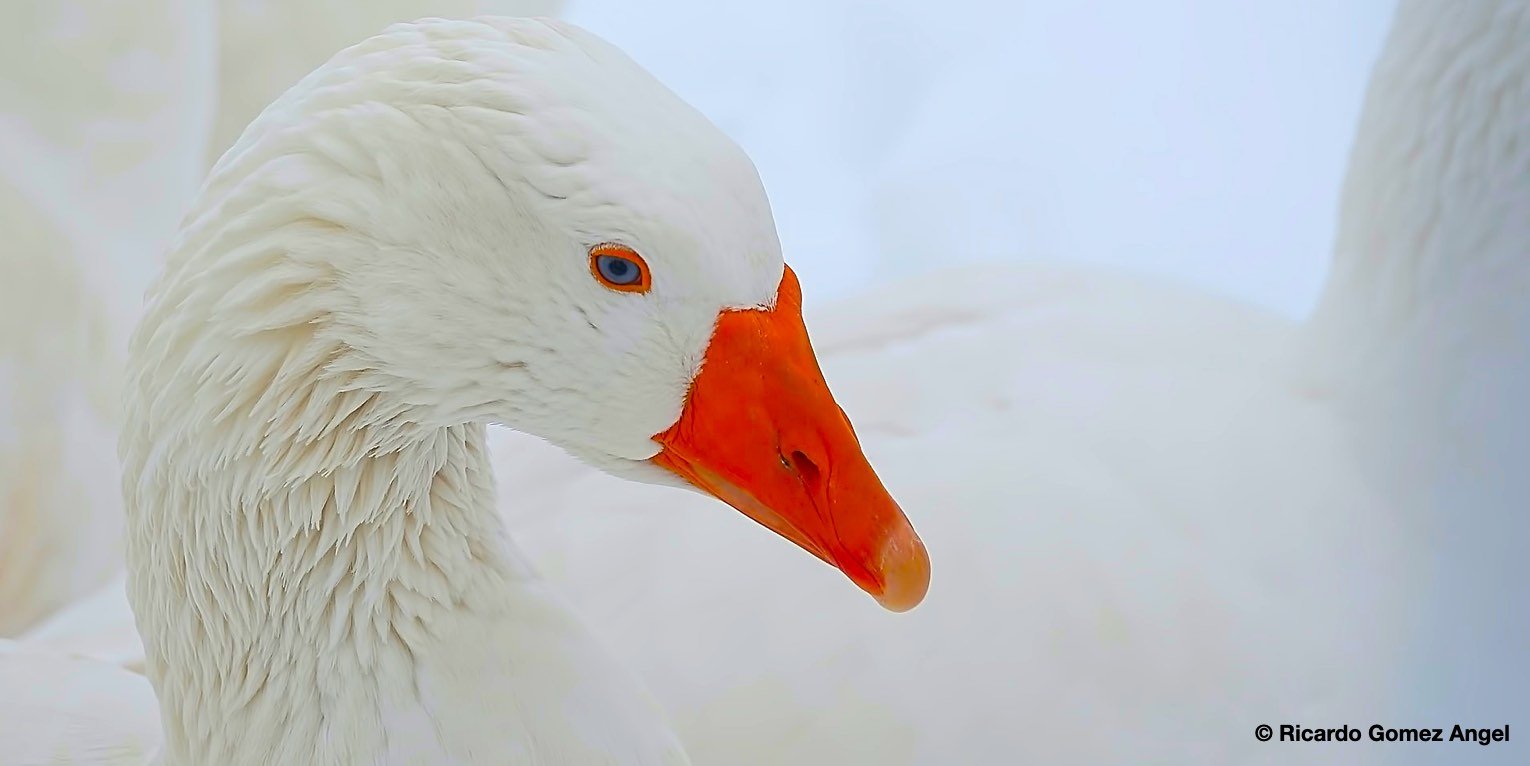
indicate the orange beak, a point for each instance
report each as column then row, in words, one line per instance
column 761, row 432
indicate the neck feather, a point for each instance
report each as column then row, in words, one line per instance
column 287, row 595
column 315, row 559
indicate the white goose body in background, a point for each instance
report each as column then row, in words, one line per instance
column 1162, row 519
column 448, row 224
column 1422, row 340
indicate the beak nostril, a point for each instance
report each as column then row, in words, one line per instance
column 804, row 467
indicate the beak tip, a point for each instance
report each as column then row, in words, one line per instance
column 905, row 567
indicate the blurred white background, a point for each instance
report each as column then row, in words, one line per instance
column 1199, row 139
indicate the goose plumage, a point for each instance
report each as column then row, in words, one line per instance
column 1163, row 518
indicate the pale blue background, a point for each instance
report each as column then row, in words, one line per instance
column 1203, row 139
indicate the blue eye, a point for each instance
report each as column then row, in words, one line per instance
column 619, row 268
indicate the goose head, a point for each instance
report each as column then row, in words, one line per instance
column 509, row 221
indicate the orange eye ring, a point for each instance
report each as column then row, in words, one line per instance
column 620, row 268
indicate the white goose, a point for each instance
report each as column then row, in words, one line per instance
column 1163, row 519
column 450, row 224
